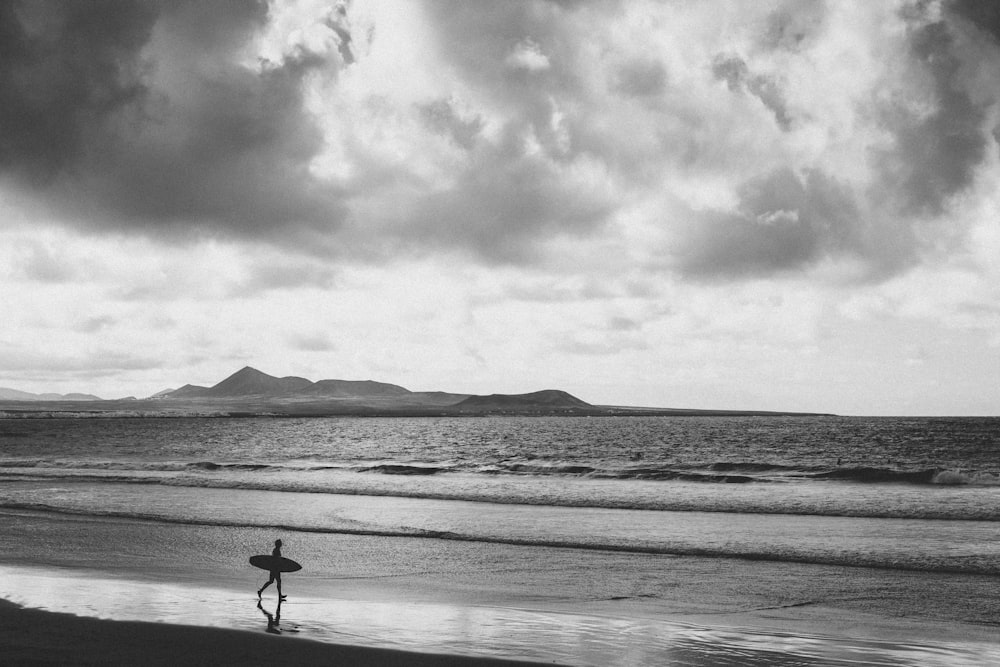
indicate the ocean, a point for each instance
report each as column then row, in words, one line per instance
column 381, row 509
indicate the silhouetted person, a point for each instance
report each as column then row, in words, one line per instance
column 273, row 620
column 275, row 574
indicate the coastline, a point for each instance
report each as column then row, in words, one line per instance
column 425, row 621
column 755, row 638
column 250, row 407
column 35, row 637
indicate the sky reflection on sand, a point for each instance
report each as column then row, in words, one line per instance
column 440, row 628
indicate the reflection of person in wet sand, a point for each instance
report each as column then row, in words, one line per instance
column 273, row 620
column 275, row 574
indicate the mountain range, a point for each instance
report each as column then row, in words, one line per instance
column 250, row 384
column 250, row 392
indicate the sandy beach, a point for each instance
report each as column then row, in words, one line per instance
column 33, row 637
column 387, row 601
column 223, row 626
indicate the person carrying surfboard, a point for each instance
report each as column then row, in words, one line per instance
column 275, row 574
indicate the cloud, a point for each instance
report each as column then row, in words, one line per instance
column 939, row 144
column 144, row 116
column 734, row 71
column 442, row 117
column 95, row 324
column 793, row 25
column 16, row 359
column 782, row 223
column 43, row 264
column 600, row 345
column 555, row 292
column 984, row 15
column 640, row 78
column 508, row 200
column 624, row 324
column 65, row 70
column 923, row 136
column 527, row 56
column 513, row 133
column 282, row 274
column 319, row 342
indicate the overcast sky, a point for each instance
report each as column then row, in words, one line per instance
column 783, row 205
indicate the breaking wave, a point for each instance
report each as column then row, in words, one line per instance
column 758, row 552
column 715, row 473
column 946, row 495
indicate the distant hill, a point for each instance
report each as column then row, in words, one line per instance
column 15, row 395
column 549, row 399
column 71, row 397
column 250, row 392
column 258, row 391
column 250, row 382
column 187, row 391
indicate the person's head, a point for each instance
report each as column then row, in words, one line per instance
column 277, row 543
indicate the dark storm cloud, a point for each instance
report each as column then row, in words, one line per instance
column 504, row 204
column 734, row 71
column 512, row 196
column 783, row 223
column 790, row 27
column 344, row 38
column 481, row 34
column 235, row 157
column 480, row 39
column 936, row 154
column 985, row 14
column 65, row 68
column 139, row 114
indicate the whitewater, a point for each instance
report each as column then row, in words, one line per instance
column 809, row 489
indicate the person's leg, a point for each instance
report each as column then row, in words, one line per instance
column 261, row 591
column 278, row 581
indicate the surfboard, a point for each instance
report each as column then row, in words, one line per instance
column 274, row 563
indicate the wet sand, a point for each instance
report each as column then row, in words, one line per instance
column 477, row 601
column 210, row 625
column 33, row 637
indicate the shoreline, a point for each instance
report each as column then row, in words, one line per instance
column 84, row 614
column 590, row 607
column 36, row 637
column 39, row 637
